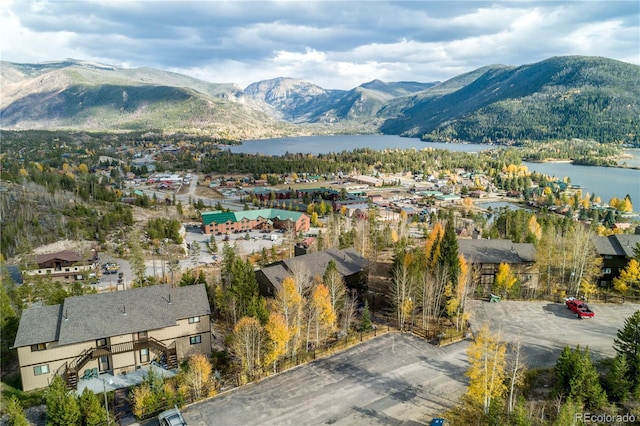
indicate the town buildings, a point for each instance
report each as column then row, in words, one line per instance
column 216, row 222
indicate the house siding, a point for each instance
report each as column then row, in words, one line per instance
column 57, row 356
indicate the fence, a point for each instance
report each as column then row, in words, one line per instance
column 337, row 344
column 438, row 336
column 331, row 347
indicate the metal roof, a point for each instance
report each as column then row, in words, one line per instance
column 224, row 217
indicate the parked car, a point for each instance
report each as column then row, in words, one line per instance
column 172, row 417
column 110, row 268
column 580, row 308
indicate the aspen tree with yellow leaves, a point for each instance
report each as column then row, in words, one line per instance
column 628, row 279
column 198, row 376
column 321, row 312
column 487, row 370
column 534, row 227
column 432, row 245
column 279, row 335
column 504, row 279
column 248, row 341
column 289, row 302
column 402, row 290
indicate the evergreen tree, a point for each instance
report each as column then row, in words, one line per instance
column 93, row 412
column 576, row 377
column 617, row 379
column 449, row 257
column 15, row 413
column 365, row 322
column 62, row 406
column 627, row 344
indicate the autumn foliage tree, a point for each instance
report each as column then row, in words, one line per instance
column 248, row 341
column 279, row 335
column 504, row 280
column 198, row 376
column 629, row 278
column 321, row 312
column 289, row 302
column 487, row 370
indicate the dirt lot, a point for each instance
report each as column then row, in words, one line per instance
column 399, row 379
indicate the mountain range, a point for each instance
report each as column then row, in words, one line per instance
column 558, row 98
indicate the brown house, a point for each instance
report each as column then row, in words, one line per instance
column 351, row 265
column 486, row 255
column 616, row 251
column 113, row 333
column 66, row 265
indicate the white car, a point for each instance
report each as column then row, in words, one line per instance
column 171, row 417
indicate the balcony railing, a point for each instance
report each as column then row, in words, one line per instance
column 69, row 371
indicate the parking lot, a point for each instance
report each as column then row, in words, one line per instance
column 545, row 328
column 400, row 379
column 393, row 379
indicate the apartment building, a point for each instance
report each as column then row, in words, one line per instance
column 116, row 333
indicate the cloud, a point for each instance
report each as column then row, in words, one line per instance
column 332, row 44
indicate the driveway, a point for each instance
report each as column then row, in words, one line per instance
column 400, row 379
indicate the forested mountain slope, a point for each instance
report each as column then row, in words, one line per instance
column 563, row 97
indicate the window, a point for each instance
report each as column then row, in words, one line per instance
column 144, row 355
column 194, row 340
column 41, row 369
column 142, row 335
column 193, row 320
column 38, row 347
column 101, row 342
column 606, row 271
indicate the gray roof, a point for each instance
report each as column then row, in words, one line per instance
column 96, row 316
column 616, row 245
column 38, row 325
column 497, row 251
column 275, row 274
column 348, row 262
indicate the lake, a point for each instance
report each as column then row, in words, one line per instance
column 605, row 182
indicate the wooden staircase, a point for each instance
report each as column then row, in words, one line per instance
column 70, row 371
column 172, row 359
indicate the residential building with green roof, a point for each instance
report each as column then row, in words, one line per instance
column 216, row 222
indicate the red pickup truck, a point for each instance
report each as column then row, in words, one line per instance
column 579, row 307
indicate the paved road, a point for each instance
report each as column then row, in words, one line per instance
column 400, row 379
column 393, row 379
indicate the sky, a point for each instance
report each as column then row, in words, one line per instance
column 334, row 44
